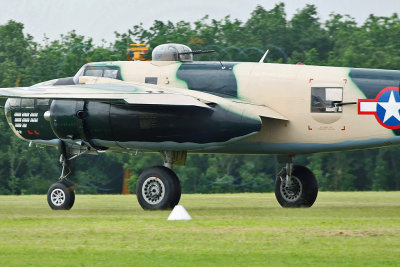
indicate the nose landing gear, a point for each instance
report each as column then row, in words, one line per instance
column 61, row 195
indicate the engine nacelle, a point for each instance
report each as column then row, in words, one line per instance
column 105, row 125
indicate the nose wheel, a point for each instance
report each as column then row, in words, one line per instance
column 61, row 196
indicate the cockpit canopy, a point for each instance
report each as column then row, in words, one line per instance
column 172, row 52
column 106, row 71
column 112, row 72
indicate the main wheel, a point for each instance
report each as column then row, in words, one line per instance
column 158, row 188
column 61, row 196
column 302, row 192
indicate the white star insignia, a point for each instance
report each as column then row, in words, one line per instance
column 392, row 108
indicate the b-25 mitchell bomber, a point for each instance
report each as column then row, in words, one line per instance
column 174, row 105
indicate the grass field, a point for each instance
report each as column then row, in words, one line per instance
column 349, row 229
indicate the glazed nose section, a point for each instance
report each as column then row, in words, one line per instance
column 12, row 104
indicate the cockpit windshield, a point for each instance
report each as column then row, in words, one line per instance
column 112, row 72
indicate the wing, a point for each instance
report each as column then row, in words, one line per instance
column 181, row 119
column 117, row 93
column 114, row 91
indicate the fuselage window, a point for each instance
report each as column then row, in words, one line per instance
column 14, row 102
column 43, row 102
column 325, row 99
column 112, row 72
column 28, row 103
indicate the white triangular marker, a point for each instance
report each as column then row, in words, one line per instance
column 179, row 213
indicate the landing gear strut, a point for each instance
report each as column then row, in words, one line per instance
column 61, row 195
column 296, row 186
column 158, row 187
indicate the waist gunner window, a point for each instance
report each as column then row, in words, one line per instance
column 325, row 99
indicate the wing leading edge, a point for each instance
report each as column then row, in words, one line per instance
column 139, row 94
column 109, row 93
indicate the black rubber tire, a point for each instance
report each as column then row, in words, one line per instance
column 66, row 193
column 177, row 190
column 71, row 190
column 309, row 188
column 72, row 201
column 166, row 185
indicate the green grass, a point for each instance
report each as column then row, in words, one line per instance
column 346, row 229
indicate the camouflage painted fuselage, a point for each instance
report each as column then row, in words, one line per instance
column 305, row 95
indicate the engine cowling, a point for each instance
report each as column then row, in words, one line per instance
column 105, row 125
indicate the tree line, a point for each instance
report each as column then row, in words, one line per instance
column 339, row 41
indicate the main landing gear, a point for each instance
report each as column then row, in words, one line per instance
column 61, row 195
column 295, row 186
column 158, row 187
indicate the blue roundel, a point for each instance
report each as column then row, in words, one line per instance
column 380, row 111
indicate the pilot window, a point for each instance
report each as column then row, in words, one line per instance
column 112, row 72
column 326, row 99
column 94, row 72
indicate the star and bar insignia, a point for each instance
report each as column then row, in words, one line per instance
column 385, row 107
